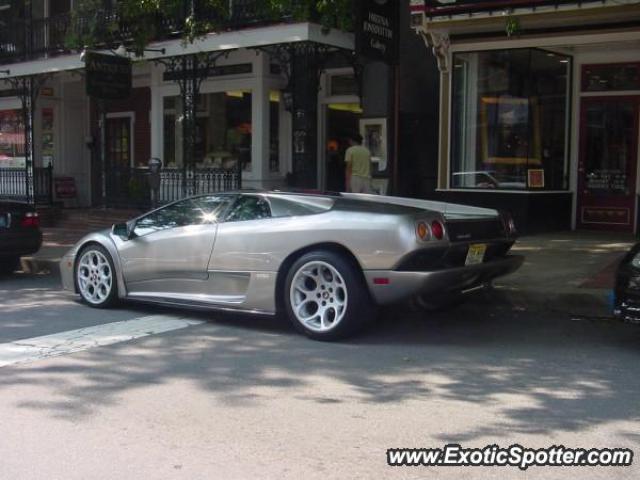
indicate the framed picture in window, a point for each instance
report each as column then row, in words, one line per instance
column 374, row 134
column 510, row 131
column 535, row 178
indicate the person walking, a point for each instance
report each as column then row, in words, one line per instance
column 358, row 160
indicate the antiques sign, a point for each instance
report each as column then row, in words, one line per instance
column 377, row 30
column 108, row 76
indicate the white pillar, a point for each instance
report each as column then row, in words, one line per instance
column 260, row 120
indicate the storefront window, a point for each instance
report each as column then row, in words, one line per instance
column 274, row 131
column 11, row 139
column 223, row 130
column 509, row 120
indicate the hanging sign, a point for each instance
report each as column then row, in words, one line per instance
column 108, row 76
column 377, row 30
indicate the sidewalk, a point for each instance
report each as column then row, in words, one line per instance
column 572, row 271
column 569, row 271
column 55, row 243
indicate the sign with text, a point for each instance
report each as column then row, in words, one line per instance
column 377, row 30
column 108, row 76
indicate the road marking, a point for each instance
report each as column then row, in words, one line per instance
column 63, row 343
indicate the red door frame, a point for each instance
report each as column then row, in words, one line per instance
column 612, row 202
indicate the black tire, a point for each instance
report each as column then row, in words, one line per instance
column 359, row 309
column 9, row 265
column 112, row 298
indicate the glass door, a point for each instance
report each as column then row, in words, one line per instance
column 119, row 142
column 608, row 163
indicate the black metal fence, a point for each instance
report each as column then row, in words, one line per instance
column 13, row 184
column 129, row 187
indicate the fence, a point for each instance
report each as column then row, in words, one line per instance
column 13, row 184
column 129, row 187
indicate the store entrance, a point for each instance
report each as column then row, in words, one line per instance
column 608, row 163
column 342, row 121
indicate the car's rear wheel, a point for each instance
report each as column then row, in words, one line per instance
column 325, row 296
column 95, row 277
column 9, row 264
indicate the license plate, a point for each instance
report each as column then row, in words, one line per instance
column 475, row 255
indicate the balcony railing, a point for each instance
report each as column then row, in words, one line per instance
column 441, row 8
column 22, row 39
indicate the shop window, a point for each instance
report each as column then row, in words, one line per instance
column 11, row 139
column 509, row 120
column 223, row 130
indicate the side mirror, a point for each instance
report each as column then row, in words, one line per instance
column 122, row 230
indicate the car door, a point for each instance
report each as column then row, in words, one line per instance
column 239, row 255
column 170, row 247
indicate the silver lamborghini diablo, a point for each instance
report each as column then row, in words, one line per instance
column 324, row 261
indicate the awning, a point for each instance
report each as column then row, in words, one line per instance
column 213, row 42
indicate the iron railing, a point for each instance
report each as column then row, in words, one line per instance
column 26, row 39
column 129, row 187
column 13, row 184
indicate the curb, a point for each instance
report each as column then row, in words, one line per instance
column 35, row 265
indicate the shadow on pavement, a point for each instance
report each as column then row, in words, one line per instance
column 562, row 373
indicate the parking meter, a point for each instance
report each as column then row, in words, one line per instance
column 155, row 165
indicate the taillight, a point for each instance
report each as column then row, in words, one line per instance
column 422, row 231
column 30, row 220
column 437, row 230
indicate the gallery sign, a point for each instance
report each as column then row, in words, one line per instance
column 377, row 30
column 108, row 76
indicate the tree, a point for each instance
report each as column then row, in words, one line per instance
column 142, row 21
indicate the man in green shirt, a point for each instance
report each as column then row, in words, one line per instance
column 358, row 160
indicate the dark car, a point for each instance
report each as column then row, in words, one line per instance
column 627, row 288
column 19, row 233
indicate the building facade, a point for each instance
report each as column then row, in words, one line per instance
column 539, row 108
column 277, row 101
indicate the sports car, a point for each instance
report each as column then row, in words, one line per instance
column 326, row 261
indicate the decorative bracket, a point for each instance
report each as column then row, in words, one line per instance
column 440, row 44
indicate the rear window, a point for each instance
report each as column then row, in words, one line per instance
column 299, row 205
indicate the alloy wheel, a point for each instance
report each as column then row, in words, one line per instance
column 95, row 277
column 318, row 296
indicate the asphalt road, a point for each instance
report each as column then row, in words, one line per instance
column 225, row 397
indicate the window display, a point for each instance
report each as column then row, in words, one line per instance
column 509, row 127
column 223, row 130
column 11, row 139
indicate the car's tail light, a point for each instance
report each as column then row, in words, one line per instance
column 422, row 231
column 437, row 229
column 30, row 220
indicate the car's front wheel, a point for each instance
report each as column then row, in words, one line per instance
column 95, row 277
column 325, row 296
